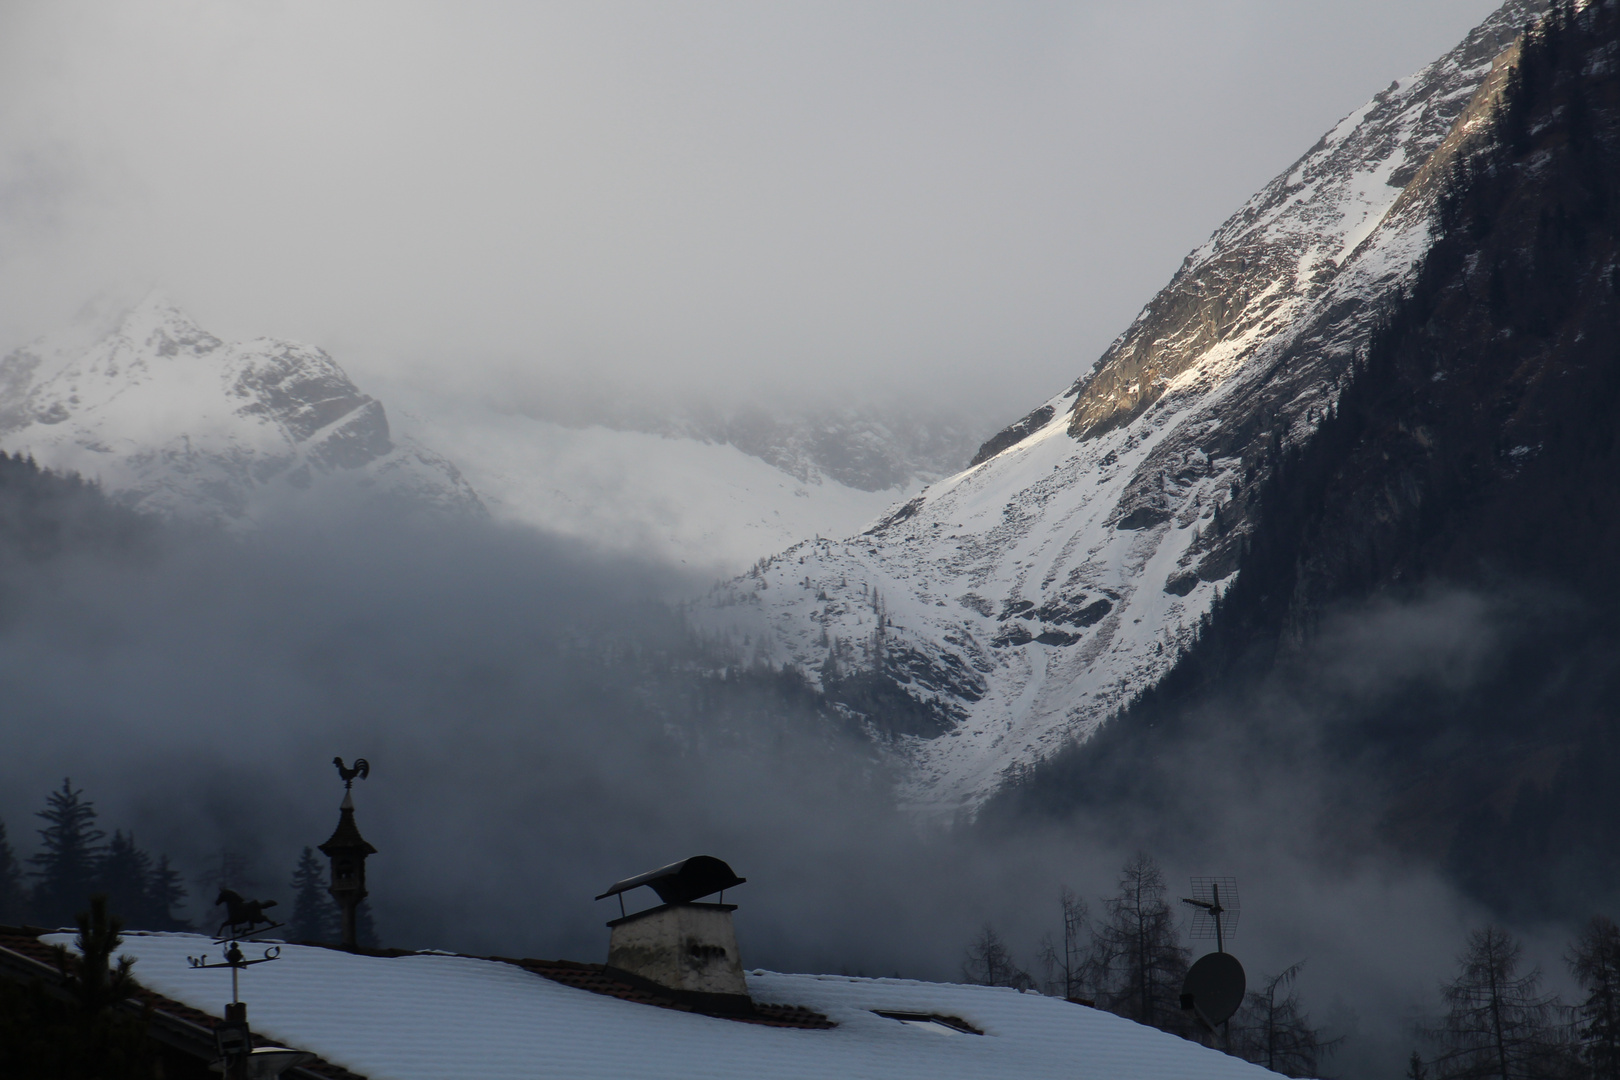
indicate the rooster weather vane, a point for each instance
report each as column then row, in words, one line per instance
column 362, row 769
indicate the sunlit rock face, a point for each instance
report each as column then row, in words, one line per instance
column 169, row 418
column 1012, row 607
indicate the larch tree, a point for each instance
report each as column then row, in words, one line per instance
column 989, row 962
column 1137, row 959
column 1065, row 959
column 1498, row 1024
column 1272, row 1029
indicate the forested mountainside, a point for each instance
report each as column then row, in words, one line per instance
column 1012, row 607
column 45, row 517
column 1426, row 614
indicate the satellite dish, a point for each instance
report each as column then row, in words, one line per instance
column 1214, row 988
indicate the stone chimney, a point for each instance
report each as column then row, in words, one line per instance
column 682, row 945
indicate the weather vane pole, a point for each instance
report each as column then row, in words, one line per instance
column 348, row 850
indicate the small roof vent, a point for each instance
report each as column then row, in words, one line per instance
column 681, row 882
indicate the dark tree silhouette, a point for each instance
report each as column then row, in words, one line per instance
column 12, row 901
column 67, row 863
column 1273, row 1030
column 1594, row 960
column 989, row 962
column 87, row 1033
column 1498, row 1025
column 1065, row 960
column 167, row 893
column 1137, row 957
column 124, row 875
column 315, row 914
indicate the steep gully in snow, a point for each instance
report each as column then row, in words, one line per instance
column 1008, row 610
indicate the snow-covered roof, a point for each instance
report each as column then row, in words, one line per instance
column 428, row 1016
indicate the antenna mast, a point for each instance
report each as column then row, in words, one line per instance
column 1217, row 901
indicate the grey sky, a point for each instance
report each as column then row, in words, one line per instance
column 965, row 199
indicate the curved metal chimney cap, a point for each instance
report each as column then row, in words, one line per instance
column 682, row 882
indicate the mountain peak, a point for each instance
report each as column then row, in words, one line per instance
column 1013, row 607
column 171, row 418
column 156, row 324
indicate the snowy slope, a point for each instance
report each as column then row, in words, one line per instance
column 706, row 505
column 170, row 418
column 428, row 1017
column 1019, row 602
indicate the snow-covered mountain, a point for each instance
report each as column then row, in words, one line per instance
column 701, row 503
column 172, row 419
column 1010, row 608
column 169, row 418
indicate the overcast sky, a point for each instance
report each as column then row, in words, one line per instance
column 967, row 199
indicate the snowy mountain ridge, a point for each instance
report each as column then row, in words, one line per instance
column 171, row 419
column 1011, row 608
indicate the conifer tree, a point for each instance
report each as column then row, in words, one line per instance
column 109, row 1043
column 66, row 866
column 124, row 876
column 1498, row 1025
column 1594, row 960
column 167, row 893
column 12, row 903
column 315, row 914
column 1137, row 957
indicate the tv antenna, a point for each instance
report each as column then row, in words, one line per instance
column 1216, row 899
column 1215, row 985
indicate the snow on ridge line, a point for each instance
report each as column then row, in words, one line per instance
column 1022, row 601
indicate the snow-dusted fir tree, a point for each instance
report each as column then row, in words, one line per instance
column 315, row 914
column 1594, row 960
column 1137, row 958
column 1498, row 1024
column 65, row 867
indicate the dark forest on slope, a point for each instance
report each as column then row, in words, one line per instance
column 1463, row 492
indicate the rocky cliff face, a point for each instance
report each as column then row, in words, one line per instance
column 1012, row 607
column 170, row 418
column 1422, row 624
